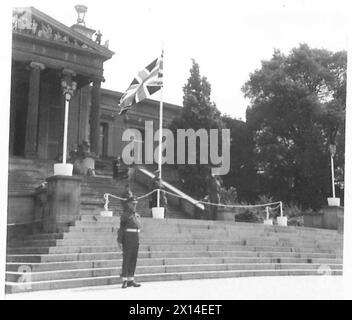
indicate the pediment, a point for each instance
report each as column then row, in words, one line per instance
column 30, row 21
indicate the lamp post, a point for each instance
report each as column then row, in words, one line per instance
column 332, row 148
column 333, row 201
column 68, row 88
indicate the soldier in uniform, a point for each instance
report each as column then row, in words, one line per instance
column 116, row 163
column 157, row 184
column 214, row 186
column 128, row 239
column 127, row 193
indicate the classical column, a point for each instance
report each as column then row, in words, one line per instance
column 94, row 118
column 31, row 139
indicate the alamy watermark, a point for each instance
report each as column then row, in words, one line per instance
column 208, row 147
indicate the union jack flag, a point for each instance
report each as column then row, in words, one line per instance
column 147, row 81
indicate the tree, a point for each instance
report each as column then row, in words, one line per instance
column 297, row 110
column 242, row 173
column 198, row 112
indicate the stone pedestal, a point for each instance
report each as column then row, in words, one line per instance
column 63, row 202
column 340, row 222
column 226, row 214
column 313, row 219
column 158, row 213
column 40, row 209
column 331, row 217
column 268, row 222
column 328, row 218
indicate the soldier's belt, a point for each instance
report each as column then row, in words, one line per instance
column 132, row 230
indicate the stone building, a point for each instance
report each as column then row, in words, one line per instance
column 112, row 125
column 44, row 53
column 47, row 57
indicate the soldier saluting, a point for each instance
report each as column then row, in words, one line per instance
column 128, row 238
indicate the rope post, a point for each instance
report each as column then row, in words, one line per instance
column 267, row 213
column 106, row 205
column 158, row 198
column 281, row 210
column 106, row 212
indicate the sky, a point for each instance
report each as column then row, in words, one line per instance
column 228, row 39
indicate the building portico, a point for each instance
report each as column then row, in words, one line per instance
column 42, row 49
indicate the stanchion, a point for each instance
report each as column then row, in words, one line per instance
column 267, row 220
column 282, row 220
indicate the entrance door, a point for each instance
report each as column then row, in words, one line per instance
column 103, row 145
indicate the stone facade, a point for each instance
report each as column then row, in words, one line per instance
column 112, row 125
column 44, row 51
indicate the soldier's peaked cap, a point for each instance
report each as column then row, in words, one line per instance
column 131, row 198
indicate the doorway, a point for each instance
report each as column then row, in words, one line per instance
column 103, row 135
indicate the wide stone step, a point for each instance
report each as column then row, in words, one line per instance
column 13, row 287
column 115, row 271
column 207, row 224
column 61, row 244
column 24, row 258
column 111, row 234
column 187, row 239
column 51, row 266
column 81, row 246
column 94, row 226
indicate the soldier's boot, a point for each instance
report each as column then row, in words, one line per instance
column 132, row 283
column 124, row 284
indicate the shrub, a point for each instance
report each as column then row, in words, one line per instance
column 294, row 214
column 250, row 215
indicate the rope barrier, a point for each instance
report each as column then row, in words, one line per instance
column 240, row 206
column 278, row 206
column 147, row 194
column 266, row 205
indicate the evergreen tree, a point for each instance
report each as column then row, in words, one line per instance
column 198, row 112
column 242, row 175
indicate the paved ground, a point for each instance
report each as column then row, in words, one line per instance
column 295, row 287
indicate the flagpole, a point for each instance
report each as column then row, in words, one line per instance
column 160, row 140
column 160, row 128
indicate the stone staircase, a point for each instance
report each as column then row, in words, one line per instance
column 86, row 253
column 25, row 175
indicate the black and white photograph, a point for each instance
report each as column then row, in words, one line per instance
column 175, row 150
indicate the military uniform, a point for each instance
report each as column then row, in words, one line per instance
column 157, row 184
column 130, row 226
column 126, row 194
column 115, row 168
column 214, row 187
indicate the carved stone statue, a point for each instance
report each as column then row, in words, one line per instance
column 34, row 27
column 57, row 36
column 98, row 36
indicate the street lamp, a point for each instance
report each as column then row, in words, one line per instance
column 68, row 87
column 333, row 201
